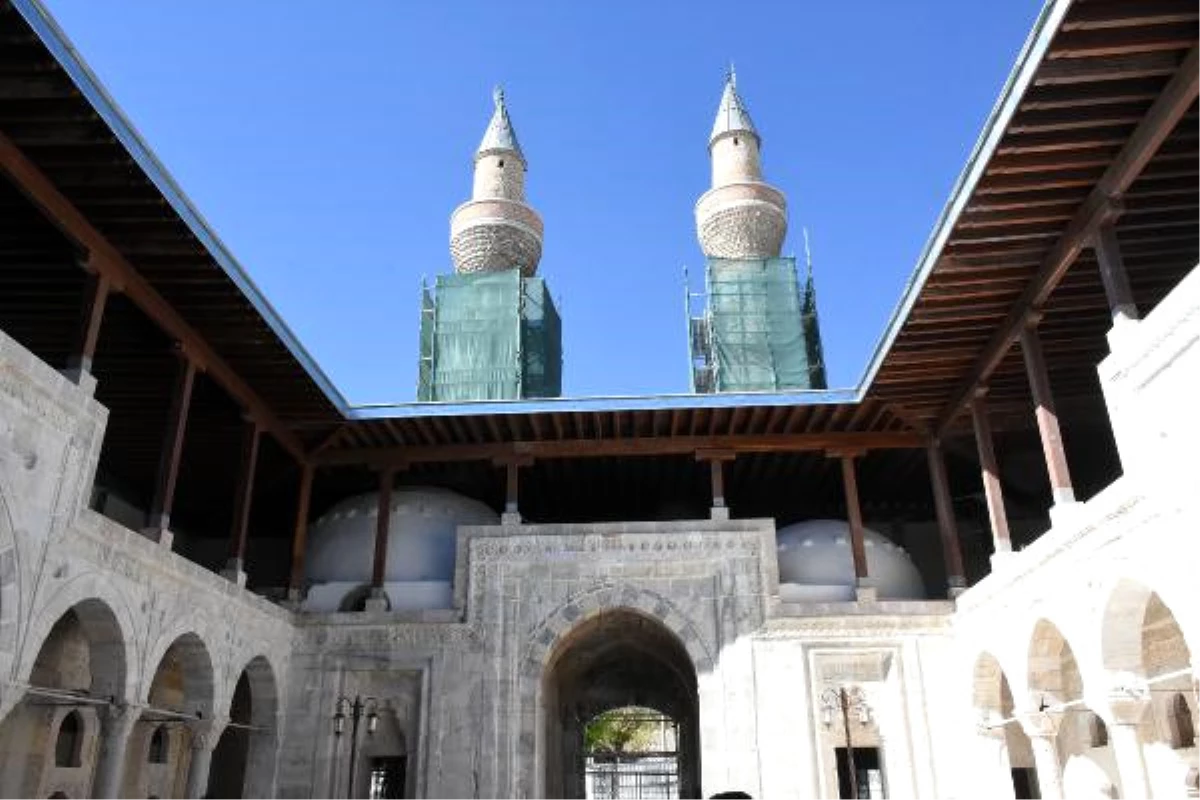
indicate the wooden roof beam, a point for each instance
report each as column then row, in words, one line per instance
column 1102, row 206
column 109, row 262
column 646, row 446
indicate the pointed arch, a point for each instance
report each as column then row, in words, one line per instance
column 1131, row 606
column 182, row 680
column 545, row 641
column 1053, row 676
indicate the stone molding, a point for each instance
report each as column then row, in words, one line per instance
column 885, row 626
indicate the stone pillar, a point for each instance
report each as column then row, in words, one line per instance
column 1129, row 707
column 205, row 735
column 993, row 744
column 116, row 725
column 1042, row 729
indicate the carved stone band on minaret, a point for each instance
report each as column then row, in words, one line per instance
column 496, row 229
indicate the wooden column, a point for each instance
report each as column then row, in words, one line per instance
column 1112, row 272
column 716, row 474
column 1047, row 416
column 242, row 501
column 858, row 549
column 947, row 525
column 992, row 490
column 159, row 525
column 95, row 298
column 300, row 534
column 716, row 469
column 512, row 474
column 383, row 520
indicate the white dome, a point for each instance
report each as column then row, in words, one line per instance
column 816, row 554
column 421, row 541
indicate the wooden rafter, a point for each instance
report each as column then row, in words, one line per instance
column 1101, row 207
column 110, row 262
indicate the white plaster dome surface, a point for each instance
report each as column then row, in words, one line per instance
column 421, row 541
column 815, row 564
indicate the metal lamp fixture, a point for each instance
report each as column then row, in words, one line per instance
column 356, row 710
column 842, row 700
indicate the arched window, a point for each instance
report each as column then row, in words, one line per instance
column 69, row 745
column 159, row 745
column 1183, row 732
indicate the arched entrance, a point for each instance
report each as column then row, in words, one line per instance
column 616, row 660
column 243, row 762
column 50, row 740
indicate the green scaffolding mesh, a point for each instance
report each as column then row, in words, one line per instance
column 759, row 331
column 489, row 336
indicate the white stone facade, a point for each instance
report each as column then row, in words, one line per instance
column 1098, row 618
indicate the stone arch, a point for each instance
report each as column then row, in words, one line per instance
column 182, row 679
column 546, row 640
column 264, row 691
column 79, row 664
column 107, row 623
column 1054, row 676
column 258, row 744
column 1123, row 625
column 547, row 634
column 991, row 692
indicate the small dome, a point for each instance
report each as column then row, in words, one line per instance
column 816, row 554
column 421, row 541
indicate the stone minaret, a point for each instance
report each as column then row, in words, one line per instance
column 496, row 229
column 741, row 216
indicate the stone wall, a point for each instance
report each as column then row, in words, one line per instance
column 55, row 553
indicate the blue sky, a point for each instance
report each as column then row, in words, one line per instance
column 327, row 144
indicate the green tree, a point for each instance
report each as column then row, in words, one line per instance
column 623, row 730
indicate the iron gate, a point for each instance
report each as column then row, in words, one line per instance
column 633, row 776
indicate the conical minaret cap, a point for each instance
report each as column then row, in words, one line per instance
column 732, row 114
column 500, row 135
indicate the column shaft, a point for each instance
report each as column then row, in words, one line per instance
column 172, row 448
column 1047, row 416
column 1049, row 771
column 992, row 490
column 1112, row 273
column 858, row 548
column 116, row 725
column 95, row 299
column 382, row 528
column 300, row 533
column 197, row 779
column 244, row 497
column 947, row 525
column 1131, row 760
